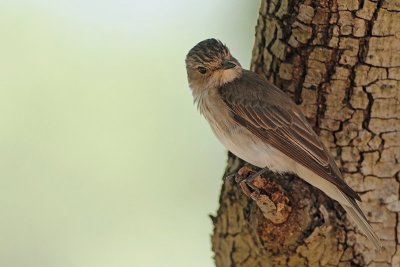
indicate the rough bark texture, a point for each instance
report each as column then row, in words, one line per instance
column 339, row 60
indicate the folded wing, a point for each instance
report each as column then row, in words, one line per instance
column 269, row 114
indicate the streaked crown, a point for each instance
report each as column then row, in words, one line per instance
column 209, row 64
column 207, row 52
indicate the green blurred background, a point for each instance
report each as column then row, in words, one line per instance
column 104, row 160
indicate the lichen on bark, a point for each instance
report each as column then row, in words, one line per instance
column 340, row 61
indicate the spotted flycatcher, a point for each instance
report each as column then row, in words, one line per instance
column 260, row 124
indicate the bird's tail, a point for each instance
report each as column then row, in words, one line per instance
column 347, row 202
column 358, row 217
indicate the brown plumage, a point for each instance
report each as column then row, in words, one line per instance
column 260, row 124
column 268, row 113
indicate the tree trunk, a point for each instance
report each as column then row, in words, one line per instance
column 340, row 61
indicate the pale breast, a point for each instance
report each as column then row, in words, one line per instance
column 238, row 139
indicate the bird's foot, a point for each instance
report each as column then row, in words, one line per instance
column 245, row 178
column 230, row 176
column 267, row 194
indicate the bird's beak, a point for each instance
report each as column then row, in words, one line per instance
column 228, row 65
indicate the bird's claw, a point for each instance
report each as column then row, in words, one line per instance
column 245, row 181
column 230, row 176
column 250, row 189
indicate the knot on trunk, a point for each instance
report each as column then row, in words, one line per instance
column 282, row 220
column 271, row 197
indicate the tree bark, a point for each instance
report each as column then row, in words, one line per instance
column 340, row 61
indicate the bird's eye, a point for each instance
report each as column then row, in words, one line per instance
column 202, row 70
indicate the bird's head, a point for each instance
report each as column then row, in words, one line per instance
column 209, row 64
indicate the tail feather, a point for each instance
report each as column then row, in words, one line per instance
column 358, row 217
column 348, row 203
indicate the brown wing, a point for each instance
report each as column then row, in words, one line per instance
column 271, row 115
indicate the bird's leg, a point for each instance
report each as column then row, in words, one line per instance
column 243, row 174
column 259, row 173
column 246, row 182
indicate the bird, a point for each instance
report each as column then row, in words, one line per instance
column 260, row 124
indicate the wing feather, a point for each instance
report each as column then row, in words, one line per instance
column 269, row 114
